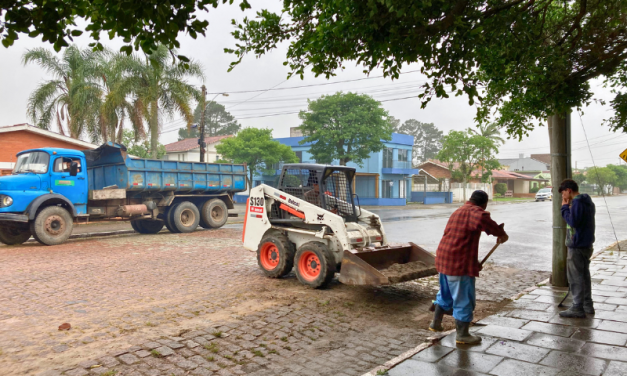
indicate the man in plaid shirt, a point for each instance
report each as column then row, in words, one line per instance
column 458, row 264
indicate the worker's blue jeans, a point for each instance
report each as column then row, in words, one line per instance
column 457, row 292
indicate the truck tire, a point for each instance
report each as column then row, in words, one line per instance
column 314, row 265
column 185, row 217
column 14, row 235
column 275, row 255
column 53, row 225
column 214, row 214
column 168, row 220
column 149, row 226
column 136, row 226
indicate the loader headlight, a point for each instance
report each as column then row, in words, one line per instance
column 5, row 201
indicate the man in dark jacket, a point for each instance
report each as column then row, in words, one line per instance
column 578, row 211
column 457, row 262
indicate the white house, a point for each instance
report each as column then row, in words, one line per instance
column 189, row 150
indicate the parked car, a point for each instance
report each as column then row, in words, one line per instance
column 544, row 194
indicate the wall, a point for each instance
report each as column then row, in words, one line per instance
column 432, row 197
column 521, row 186
column 12, row 143
column 458, row 190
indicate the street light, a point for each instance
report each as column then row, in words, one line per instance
column 201, row 136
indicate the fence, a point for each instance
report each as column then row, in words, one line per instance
column 458, row 190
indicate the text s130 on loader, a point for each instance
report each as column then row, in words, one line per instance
column 310, row 222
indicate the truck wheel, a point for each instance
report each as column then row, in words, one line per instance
column 185, row 217
column 314, row 265
column 168, row 220
column 149, row 226
column 214, row 214
column 52, row 226
column 275, row 255
column 14, row 235
column 136, row 226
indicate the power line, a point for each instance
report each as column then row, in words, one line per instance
column 311, row 85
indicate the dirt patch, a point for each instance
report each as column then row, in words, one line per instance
column 409, row 271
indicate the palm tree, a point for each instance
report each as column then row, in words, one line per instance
column 490, row 131
column 117, row 105
column 71, row 99
column 160, row 88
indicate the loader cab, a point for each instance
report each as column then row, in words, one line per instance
column 326, row 186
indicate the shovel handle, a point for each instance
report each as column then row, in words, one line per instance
column 490, row 253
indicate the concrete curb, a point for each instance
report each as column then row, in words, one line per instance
column 407, row 354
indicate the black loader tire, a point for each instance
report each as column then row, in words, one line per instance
column 185, row 217
column 214, row 214
column 315, row 266
column 14, row 235
column 53, row 225
column 275, row 255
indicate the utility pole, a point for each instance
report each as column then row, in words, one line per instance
column 201, row 137
column 559, row 134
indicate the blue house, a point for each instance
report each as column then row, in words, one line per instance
column 384, row 179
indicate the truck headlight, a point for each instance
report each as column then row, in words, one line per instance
column 5, row 201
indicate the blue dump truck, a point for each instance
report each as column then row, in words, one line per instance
column 51, row 189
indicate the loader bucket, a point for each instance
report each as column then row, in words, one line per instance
column 386, row 265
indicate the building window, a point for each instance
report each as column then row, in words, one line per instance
column 402, row 188
column 181, row 157
column 388, row 157
column 402, row 155
column 386, row 191
column 299, row 154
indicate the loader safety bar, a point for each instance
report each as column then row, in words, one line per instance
column 293, row 212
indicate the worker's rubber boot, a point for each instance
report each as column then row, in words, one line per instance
column 438, row 315
column 574, row 312
column 463, row 336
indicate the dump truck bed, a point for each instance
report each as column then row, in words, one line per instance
column 110, row 166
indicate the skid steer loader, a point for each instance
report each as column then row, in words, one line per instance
column 310, row 222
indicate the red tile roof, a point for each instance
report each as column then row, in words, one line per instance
column 191, row 143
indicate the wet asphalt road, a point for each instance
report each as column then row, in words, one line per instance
column 528, row 225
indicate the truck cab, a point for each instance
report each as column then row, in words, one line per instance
column 42, row 178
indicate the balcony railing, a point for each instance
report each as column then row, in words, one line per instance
column 398, row 164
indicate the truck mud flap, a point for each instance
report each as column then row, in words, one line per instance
column 386, row 265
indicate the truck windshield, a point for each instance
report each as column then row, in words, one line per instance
column 36, row 162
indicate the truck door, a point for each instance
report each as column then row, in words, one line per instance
column 74, row 188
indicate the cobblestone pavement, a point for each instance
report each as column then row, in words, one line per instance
column 175, row 304
column 528, row 337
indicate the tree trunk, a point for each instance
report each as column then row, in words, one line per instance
column 464, row 182
column 559, row 132
column 154, row 130
column 250, row 180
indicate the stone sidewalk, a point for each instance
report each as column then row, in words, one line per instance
column 528, row 337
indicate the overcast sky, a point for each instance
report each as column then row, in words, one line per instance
column 260, row 109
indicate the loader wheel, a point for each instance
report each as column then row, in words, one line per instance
column 14, row 235
column 52, row 226
column 314, row 265
column 147, row 226
column 214, row 214
column 185, row 217
column 275, row 255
